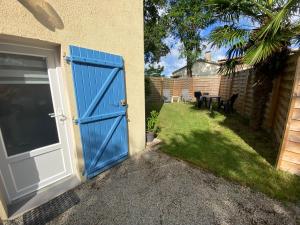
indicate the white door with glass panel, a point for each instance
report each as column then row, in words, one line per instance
column 34, row 150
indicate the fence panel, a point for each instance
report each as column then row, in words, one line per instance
column 289, row 118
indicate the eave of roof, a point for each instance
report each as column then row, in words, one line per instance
column 198, row 60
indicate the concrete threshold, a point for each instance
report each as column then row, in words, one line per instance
column 33, row 200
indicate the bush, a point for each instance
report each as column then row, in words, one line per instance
column 151, row 121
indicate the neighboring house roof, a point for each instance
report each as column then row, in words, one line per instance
column 198, row 61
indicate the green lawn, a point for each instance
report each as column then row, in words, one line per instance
column 227, row 147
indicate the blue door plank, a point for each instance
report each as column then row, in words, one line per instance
column 101, row 117
column 105, row 142
column 98, row 97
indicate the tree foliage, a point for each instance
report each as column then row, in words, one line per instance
column 275, row 27
column 155, row 30
column 154, row 71
column 186, row 20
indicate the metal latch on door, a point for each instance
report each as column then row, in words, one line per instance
column 123, row 102
column 61, row 116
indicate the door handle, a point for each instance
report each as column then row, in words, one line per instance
column 61, row 116
column 123, row 102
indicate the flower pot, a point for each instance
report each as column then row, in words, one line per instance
column 150, row 136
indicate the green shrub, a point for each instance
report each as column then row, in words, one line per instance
column 151, row 121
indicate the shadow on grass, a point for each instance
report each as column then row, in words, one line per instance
column 225, row 157
column 261, row 141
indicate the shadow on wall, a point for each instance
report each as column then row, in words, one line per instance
column 153, row 98
column 44, row 13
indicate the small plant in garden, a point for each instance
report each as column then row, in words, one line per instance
column 151, row 125
column 151, row 121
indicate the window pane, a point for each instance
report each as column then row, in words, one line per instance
column 25, row 102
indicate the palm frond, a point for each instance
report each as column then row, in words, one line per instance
column 236, row 51
column 258, row 53
column 229, row 67
column 257, row 47
column 278, row 21
column 228, row 36
column 262, row 8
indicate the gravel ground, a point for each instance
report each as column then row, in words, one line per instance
column 152, row 188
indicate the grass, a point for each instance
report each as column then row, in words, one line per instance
column 226, row 146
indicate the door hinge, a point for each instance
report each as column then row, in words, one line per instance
column 67, row 59
column 75, row 121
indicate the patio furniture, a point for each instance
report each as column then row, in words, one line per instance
column 209, row 98
column 166, row 95
column 199, row 99
column 205, row 99
column 228, row 104
column 185, row 95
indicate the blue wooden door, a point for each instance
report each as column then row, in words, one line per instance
column 101, row 104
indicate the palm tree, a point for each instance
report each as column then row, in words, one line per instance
column 264, row 45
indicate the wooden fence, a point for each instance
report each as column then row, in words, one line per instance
column 241, row 83
column 289, row 156
column 157, row 85
column 209, row 84
column 278, row 104
column 282, row 112
column 279, row 101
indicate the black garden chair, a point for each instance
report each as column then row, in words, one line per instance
column 228, row 104
column 199, row 99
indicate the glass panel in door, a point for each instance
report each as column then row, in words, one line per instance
column 25, row 104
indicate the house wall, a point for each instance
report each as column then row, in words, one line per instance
column 199, row 69
column 106, row 25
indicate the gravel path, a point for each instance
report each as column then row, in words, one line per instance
column 152, row 188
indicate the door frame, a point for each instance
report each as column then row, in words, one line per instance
column 47, row 52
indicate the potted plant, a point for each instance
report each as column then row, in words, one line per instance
column 151, row 126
